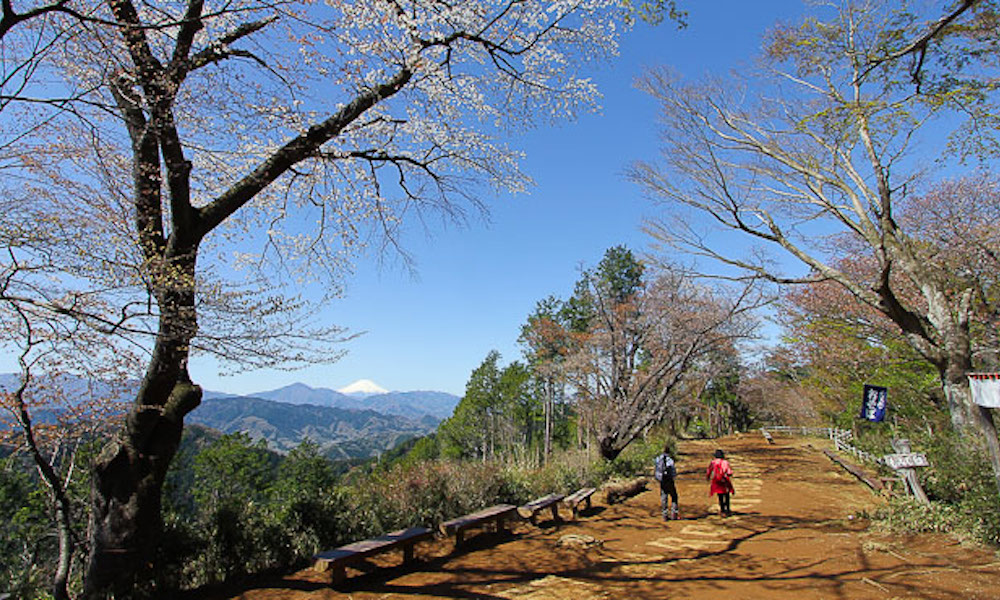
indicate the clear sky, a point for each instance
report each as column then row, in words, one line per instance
column 475, row 286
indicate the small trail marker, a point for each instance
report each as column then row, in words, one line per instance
column 905, row 462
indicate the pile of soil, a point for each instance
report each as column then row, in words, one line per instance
column 797, row 532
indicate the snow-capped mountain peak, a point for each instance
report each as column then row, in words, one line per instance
column 363, row 387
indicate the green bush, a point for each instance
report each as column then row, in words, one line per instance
column 637, row 459
column 27, row 550
column 906, row 515
column 959, row 482
column 253, row 511
column 567, row 473
column 428, row 492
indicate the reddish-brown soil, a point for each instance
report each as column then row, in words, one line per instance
column 795, row 534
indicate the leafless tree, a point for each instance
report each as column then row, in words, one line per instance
column 821, row 151
column 640, row 356
column 217, row 155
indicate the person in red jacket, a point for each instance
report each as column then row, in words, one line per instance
column 720, row 476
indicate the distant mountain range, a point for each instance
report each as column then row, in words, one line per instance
column 414, row 405
column 356, row 425
column 340, row 432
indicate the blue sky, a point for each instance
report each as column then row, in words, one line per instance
column 474, row 286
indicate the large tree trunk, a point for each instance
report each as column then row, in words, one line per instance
column 959, row 395
column 956, row 365
column 609, row 446
column 985, row 419
column 128, row 475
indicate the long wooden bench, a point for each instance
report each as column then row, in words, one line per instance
column 582, row 495
column 494, row 514
column 337, row 559
column 531, row 509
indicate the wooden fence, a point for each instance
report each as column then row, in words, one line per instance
column 841, row 439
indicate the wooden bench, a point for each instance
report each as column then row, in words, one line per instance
column 532, row 508
column 495, row 514
column 336, row 560
column 581, row 495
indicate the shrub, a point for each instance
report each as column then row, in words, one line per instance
column 907, row 515
column 26, row 546
column 636, row 459
column 567, row 473
column 960, row 484
column 428, row 492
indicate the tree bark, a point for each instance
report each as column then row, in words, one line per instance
column 610, row 449
column 989, row 429
column 128, row 475
column 60, row 581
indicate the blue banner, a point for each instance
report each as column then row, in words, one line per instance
column 874, row 403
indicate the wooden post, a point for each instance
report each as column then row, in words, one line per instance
column 902, row 446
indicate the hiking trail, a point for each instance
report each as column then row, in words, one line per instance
column 797, row 532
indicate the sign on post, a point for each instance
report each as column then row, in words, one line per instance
column 905, row 461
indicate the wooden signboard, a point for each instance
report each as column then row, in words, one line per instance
column 907, row 460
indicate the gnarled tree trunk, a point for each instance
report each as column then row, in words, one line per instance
column 128, row 475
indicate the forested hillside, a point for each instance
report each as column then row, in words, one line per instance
column 339, row 433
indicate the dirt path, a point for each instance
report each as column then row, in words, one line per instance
column 794, row 534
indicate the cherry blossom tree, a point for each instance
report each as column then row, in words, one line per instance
column 214, row 153
column 44, row 413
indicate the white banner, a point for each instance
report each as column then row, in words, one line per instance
column 985, row 389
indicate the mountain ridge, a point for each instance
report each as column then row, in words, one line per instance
column 341, row 433
column 414, row 404
column 357, row 428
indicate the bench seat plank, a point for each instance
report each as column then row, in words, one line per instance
column 582, row 495
column 496, row 514
column 539, row 504
column 338, row 558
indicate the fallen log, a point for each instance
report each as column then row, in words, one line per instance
column 874, row 484
column 617, row 491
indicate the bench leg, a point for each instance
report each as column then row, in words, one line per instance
column 555, row 513
column 338, row 574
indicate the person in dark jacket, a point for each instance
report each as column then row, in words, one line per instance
column 665, row 472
